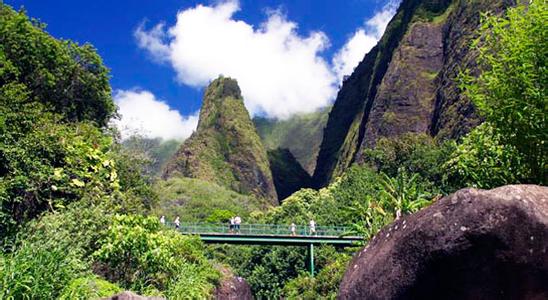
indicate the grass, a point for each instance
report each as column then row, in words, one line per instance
column 195, row 200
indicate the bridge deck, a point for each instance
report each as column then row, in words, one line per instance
column 268, row 234
column 287, row 240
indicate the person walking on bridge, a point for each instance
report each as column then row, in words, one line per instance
column 231, row 226
column 177, row 223
column 293, row 228
column 237, row 222
column 312, row 227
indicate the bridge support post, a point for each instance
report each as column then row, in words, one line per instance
column 311, row 259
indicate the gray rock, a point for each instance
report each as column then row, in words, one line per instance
column 232, row 287
column 131, row 296
column 473, row 244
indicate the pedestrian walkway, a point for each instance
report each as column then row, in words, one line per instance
column 271, row 234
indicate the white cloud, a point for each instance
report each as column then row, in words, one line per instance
column 279, row 71
column 363, row 40
column 143, row 114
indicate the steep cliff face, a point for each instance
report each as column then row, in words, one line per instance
column 406, row 83
column 289, row 175
column 225, row 148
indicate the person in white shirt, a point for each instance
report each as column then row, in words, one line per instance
column 237, row 222
column 163, row 220
column 312, row 227
column 293, row 228
column 177, row 223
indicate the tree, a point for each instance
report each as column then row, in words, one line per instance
column 510, row 92
column 482, row 161
column 405, row 193
column 67, row 78
column 46, row 164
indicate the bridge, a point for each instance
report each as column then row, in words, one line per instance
column 269, row 234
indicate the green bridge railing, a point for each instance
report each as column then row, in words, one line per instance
column 262, row 229
column 269, row 232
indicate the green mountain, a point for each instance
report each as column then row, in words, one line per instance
column 407, row 83
column 225, row 148
column 301, row 134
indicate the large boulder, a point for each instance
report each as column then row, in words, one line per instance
column 473, row 244
column 131, row 296
column 232, row 287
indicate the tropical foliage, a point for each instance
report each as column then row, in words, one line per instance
column 78, row 210
column 71, row 198
column 69, row 79
column 140, row 255
column 510, row 92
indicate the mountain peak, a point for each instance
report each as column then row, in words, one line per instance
column 225, row 149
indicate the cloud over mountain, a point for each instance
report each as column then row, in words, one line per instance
column 142, row 114
column 280, row 72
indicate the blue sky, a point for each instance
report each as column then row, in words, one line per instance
column 288, row 56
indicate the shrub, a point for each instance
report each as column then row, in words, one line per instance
column 44, row 164
column 220, row 216
column 39, row 270
column 195, row 200
column 412, row 152
column 482, row 160
column 139, row 254
column 324, row 286
column 510, row 92
column 90, row 287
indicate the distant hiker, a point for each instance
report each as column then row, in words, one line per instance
column 293, row 228
column 177, row 223
column 237, row 222
column 163, row 220
column 231, row 224
column 312, row 227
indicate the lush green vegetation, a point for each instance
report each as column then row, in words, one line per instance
column 72, row 199
column 195, row 200
column 511, row 91
column 91, row 287
column 78, row 210
column 53, row 95
column 69, row 79
column 142, row 256
column 362, row 199
column 414, row 153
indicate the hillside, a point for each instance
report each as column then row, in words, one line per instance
column 225, row 148
column 407, row 83
column 301, row 134
column 195, row 200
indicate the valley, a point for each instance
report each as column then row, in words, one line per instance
column 425, row 178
